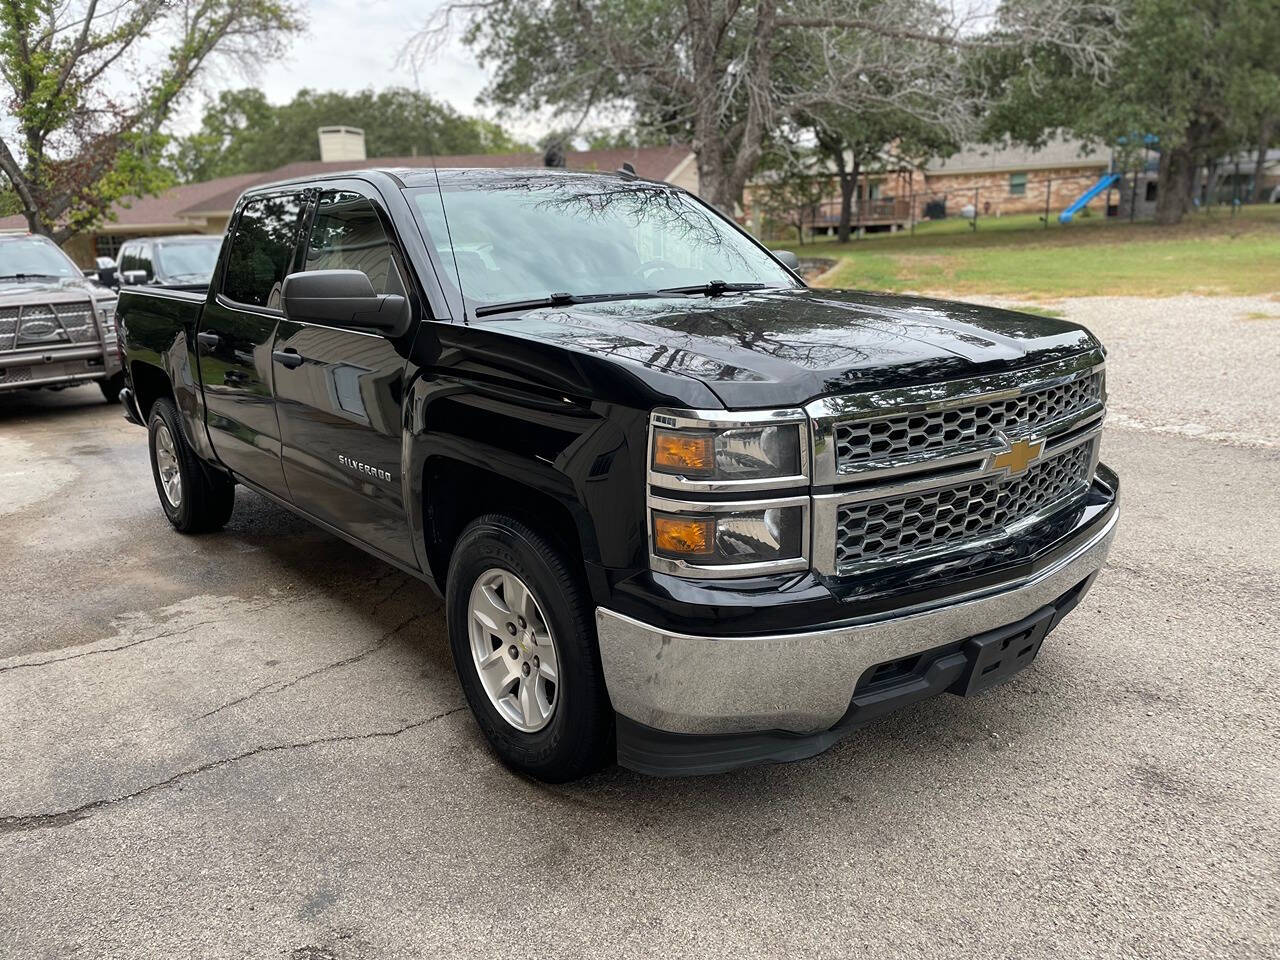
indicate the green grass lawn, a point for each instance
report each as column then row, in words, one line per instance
column 1208, row 253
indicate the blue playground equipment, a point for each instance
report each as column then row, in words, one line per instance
column 1107, row 180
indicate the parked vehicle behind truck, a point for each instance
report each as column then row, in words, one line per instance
column 57, row 326
column 182, row 261
column 684, row 511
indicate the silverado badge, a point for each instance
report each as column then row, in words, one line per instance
column 364, row 468
column 1017, row 456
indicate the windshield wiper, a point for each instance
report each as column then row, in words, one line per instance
column 558, row 300
column 715, row 288
column 30, row 276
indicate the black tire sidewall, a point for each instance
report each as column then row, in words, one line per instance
column 570, row 744
column 162, row 412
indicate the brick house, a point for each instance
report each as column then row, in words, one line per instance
column 1006, row 179
column 996, row 179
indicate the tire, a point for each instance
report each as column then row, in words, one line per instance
column 111, row 387
column 201, row 500
column 576, row 737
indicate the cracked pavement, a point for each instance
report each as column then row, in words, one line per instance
column 252, row 744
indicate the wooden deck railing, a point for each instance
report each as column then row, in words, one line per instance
column 892, row 210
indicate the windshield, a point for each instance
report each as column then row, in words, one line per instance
column 190, row 258
column 34, row 257
column 525, row 238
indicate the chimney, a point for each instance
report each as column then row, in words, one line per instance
column 340, row 144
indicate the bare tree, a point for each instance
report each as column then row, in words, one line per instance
column 73, row 146
column 728, row 72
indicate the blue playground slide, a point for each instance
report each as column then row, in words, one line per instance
column 1106, row 181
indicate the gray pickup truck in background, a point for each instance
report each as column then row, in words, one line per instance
column 57, row 326
column 181, row 262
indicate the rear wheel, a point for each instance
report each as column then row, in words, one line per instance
column 523, row 644
column 111, row 388
column 194, row 498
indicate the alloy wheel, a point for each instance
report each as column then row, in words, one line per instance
column 167, row 466
column 513, row 650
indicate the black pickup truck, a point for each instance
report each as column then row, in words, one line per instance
column 684, row 510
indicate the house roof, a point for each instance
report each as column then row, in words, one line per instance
column 656, row 163
column 159, row 212
column 177, row 207
column 988, row 158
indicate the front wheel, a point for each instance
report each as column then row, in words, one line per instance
column 523, row 643
column 194, row 498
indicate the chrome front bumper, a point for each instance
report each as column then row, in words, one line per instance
column 802, row 683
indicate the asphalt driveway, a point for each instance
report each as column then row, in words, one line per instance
column 253, row 744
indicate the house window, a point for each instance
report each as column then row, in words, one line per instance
column 108, row 245
column 1152, row 186
column 1017, row 184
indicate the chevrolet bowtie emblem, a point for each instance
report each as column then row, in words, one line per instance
column 1018, row 455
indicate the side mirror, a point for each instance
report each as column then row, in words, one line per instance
column 105, row 270
column 343, row 298
column 133, row 278
column 789, row 259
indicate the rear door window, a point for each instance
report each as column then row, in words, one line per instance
column 348, row 235
column 262, row 250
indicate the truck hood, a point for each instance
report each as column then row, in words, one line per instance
column 50, row 291
column 786, row 347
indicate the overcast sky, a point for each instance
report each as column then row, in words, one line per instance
column 350, row 46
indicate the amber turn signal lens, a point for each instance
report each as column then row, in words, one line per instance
column 681, row 536
column 683, row 452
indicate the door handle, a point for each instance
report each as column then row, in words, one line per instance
column 290, row 358
column 207, row 339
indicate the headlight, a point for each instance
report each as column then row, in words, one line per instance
column 743, row 453
column 107, row 318
column 771, row 533
column 705, row 454
column 728, row 451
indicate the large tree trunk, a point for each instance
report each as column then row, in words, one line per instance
column 726, row 160
column 1264, row 140
column 1177, row 167
column 713, row 176
column 848, row 186
column 846, row 195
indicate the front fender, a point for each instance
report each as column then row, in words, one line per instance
column 552, row 455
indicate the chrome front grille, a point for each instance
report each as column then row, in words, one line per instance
column 863, row 441
column 949, row 516
column 47, row 325
column 927, row 470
